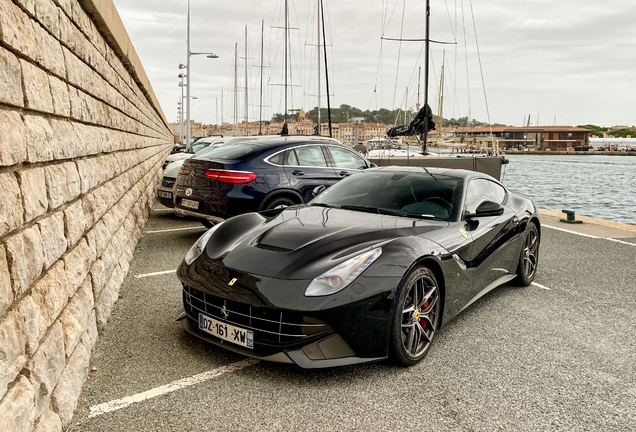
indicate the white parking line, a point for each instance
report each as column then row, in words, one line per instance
column 590, row 236
column 540, row 286
column 145, row 275
column 175, row 229
column 117, row 404
column 621, row 241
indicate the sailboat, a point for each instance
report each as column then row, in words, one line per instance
column 423, row 123
column 320, row 27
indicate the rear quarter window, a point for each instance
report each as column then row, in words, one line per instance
column 277, row 159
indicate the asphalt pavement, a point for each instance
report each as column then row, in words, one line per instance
column 557, row 355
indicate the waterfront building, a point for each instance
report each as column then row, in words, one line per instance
column 553, row 138
column 197, row 129
column 296, row 125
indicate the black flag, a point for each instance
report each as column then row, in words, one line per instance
column 416, row 127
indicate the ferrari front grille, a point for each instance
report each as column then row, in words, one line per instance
column 270, row 326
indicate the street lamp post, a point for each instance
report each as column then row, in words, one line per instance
column 181, row 126
column 188, row 75
column 180, row 119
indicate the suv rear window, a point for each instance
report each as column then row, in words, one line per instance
column 236, row 151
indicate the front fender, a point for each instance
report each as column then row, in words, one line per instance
column 401, row 256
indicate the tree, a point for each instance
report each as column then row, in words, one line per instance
column 278, row 118
column 345, row 113
column 594, row 130
column 622, row 133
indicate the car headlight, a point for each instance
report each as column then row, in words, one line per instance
column 199, row 246
column 336, row 279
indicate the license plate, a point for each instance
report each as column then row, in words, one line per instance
column 228, row 332
column 190, row 204
column 163, row 194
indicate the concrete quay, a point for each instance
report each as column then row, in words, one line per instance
column 557, row 355
column 570, row 153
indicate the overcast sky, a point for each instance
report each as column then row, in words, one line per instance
column 563, row 62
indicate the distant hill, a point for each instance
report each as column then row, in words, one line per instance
column 345, row 112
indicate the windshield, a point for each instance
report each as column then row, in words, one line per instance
column 418, row 195
column 198, row 146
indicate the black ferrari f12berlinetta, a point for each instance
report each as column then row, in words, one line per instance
column 370, row 269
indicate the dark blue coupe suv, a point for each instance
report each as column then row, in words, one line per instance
column 261, row 173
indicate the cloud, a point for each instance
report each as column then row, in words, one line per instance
column 569, row 59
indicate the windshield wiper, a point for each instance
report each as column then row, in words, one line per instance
column 389, row 212
column 369, row 209
column 321, row 205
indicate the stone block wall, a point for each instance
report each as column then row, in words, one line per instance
column 82, row 141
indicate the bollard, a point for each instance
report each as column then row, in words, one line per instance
column 571, row 217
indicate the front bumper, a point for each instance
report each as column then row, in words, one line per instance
column 164, row 196
column 165, row 193
column 326, row 352
column 355, row 322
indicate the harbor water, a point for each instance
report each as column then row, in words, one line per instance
column 602, row 187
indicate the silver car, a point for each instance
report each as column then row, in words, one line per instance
column 171, row 168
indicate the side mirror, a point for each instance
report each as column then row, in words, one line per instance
column 318, row 190
column 485, row 209
column 372, row 165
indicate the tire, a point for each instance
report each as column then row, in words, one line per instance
column 529, row 256
column 206, row 223
column 416, row 317
column 278, row 202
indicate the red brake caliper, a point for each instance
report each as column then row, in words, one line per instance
column 423, row 321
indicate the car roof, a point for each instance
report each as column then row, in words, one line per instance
column 270, row 141
column 210, row 139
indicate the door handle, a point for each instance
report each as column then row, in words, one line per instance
column 298, row 172
column 345, row 173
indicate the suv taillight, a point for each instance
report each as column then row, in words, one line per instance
column 230, row 176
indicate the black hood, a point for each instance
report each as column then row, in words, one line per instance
column 304, row 241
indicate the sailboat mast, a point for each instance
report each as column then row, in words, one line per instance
column 286, row 30
column 441, row 98
column 235, row 87
column 324, row 46
column 426, row 60
column 419, row 80
column 246, row 101
column 260, row 111
column 318, row 52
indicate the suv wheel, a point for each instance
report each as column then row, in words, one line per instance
column 278, row 203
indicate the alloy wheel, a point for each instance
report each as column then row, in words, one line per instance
column 529, row 258
column 420, row 313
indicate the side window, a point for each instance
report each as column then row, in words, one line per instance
column 480, row 190
column 346, row 159
column 500, row 192
column 308, row 156
column 291, row 158
column 277, row 159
